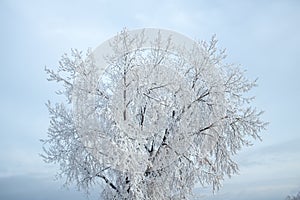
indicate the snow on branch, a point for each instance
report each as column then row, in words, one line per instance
column 152, row 120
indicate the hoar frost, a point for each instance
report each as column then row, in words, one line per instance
column 149, row 114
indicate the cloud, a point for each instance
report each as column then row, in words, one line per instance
column 34, row 188
column 278, row 153
column 267, row 173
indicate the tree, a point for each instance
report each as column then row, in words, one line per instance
column 297, row 197
column 157, row 117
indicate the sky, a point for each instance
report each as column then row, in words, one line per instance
column 262, row 36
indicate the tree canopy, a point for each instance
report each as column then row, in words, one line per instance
column 158, row 117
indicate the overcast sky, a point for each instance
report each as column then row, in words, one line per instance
column 263, row 36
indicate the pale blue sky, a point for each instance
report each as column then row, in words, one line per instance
column 263, row 36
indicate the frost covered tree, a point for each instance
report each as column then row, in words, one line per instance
column 148, row 115
column 297, row 197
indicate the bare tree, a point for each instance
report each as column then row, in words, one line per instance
column 152, row 123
